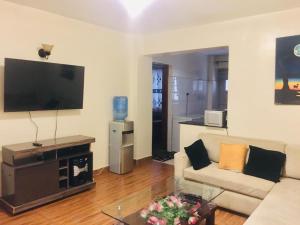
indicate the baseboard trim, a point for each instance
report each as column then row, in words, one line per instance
column 142, row 160
column 100, row 171
column 136, row 162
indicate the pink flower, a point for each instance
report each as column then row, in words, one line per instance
column 192, row 220
column 198, row 205
column 152, row 207
column 144, row 213
column 177, row 221
column 162, row 222
column 195, row 207
column 179, row 204
column 176, row 201
column 153, row 220
column 173, row 199
column 159, row 207
column 170, row 204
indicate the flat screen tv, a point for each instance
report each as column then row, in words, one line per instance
column 32, row 86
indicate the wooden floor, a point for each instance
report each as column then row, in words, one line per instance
column 85, row 208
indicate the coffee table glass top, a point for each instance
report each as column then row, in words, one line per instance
column 127, row 210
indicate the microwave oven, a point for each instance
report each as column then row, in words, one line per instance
column 215, row 118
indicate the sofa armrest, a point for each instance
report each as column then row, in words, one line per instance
column 181, row 162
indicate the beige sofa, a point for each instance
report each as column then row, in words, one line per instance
column 266, row 202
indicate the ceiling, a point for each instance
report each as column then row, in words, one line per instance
column 161, row 14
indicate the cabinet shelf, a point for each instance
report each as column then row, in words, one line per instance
column 63, row 178
column 63, row 168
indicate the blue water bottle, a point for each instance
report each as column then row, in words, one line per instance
column 120, row 108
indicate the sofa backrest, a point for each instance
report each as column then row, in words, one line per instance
column 213, row 142
column 292, row 165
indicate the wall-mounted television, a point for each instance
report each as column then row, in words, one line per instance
column 32, row 86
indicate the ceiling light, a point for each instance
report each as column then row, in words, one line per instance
column 135, row 7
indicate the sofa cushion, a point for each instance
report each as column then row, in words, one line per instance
column 233, row 156
column 197, row 155
column 265, row 164
column 229, row 180
column 280, row 207
column 237, row 202
column 292, row 165
column 212, row 143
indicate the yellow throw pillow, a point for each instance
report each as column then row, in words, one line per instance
column 233, row 157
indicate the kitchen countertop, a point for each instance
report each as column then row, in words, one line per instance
column 198, row 122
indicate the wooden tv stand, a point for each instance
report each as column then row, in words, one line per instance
column 36, row 175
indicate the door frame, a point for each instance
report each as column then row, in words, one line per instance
column 165, row 98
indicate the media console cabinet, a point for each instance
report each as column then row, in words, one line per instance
column 33, row 176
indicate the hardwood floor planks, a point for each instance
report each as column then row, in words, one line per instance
column 85, row 208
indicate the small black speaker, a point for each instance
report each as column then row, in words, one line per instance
column 80, row 170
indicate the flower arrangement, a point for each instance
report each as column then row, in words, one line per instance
column 171, row 210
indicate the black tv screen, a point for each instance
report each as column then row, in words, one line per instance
column 31, row 86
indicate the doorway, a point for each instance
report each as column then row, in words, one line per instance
column 198, row 81
column 160, row 73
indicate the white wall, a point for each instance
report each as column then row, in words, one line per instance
column 104, row 53
column 190, row 133
column 140, row 93
column 118, row 64
column 251, row 42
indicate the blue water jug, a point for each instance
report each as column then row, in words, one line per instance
column 120, row 108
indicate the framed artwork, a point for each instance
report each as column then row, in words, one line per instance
column 287, row 84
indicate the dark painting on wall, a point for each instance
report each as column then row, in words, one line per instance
column 287, row 84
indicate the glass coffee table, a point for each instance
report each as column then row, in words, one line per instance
column 127, row 210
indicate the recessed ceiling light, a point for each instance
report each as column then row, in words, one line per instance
column 135, row 7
